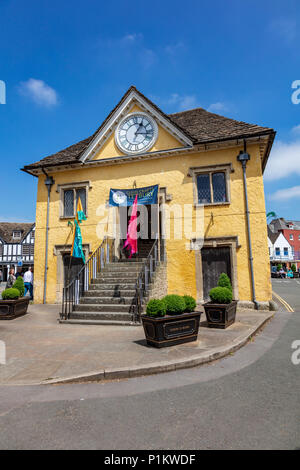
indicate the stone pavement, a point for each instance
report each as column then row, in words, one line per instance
column 40, row 350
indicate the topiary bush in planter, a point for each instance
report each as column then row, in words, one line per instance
column 224, row 281
column 10, row 294
column 175, row 304
column 181, row 325
column 156, row 308
column 190, row 303
column 221, row 295
column 293, row 268
column 221, row 310
column 19, row 284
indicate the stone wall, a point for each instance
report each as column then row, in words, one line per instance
column 159, row 286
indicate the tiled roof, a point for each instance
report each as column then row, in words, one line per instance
column 198, row 124
column 7, row 229
column 272, row 235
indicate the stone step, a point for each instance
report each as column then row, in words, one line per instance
column 117, row 275
column 131, row 260
column 115, row 281
column 132, row 268
column 125, row 265
column 98, row 284
column 103, row 316
column 106, row 300
column 102, row 308
column 92, row 321
column 110, row 293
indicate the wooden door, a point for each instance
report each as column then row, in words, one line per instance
column 71, row 269
column 215, row 261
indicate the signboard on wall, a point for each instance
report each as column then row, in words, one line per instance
column 126, row 197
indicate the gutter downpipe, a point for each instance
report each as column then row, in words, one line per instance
column 243, row 157
column 49, row 181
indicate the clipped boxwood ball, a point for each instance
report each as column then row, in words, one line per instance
column 220, row 295
column 156, row 308
column 175, row 304
column 190, row 303
column 19, row 284
column 10, row 294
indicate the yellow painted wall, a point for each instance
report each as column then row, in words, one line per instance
column 170, row 172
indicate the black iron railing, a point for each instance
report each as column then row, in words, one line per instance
column 144, row 278
column 104, row 254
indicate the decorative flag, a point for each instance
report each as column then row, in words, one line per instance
column 131, row 240
column 77, row 251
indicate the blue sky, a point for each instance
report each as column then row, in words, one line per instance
column 67, row 63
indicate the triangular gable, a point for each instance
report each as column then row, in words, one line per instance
column 131, row 99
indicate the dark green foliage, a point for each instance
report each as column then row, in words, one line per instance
column 175, row 304
column 19, row 284
column 156, row 308
column 224, row 281
column 279, row 266
column 293, row 268
column 190, row 303
column 10, row 294
column 220, row 295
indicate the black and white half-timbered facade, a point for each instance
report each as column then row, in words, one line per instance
column 16, row 246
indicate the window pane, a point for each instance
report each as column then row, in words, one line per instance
column 203, row 189
column 69, row 203
column 219, row 187
column 82, row 194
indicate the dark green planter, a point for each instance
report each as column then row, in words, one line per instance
column 170, row 330
column 220, row 315
column 10, row 309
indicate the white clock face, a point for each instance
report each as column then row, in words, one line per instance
column 136, row 133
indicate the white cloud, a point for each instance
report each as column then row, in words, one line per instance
column 39, row 92
column 182, row 102
column 174, row 49
column 217, row 107
column 283, row 161
column 296, row 129
column 285, row 194
column 131, row 38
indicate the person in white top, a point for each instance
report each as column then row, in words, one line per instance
column 28, row 283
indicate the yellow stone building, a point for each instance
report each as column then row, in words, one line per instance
column 192, row 157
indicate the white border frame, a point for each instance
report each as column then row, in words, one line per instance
column 152, row 141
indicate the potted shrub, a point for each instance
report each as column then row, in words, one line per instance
column 171, row 320
column 13, row 304
column 221, row 310
column 294, row 269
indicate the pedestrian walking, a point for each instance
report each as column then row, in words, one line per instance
column 19, row 273
column 28, row 282
column 11, row 278
column 1, row 276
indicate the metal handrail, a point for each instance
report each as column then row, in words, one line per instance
column 144, row 278
column 80, row 283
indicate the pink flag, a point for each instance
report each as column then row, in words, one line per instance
column 131, row 240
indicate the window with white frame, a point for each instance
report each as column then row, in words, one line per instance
column 285, row 251
column 70, row 198
column 277, row 251
column 291, row 237
column 17, row 234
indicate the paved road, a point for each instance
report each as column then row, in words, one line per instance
column 247, row 401
column 289, row 290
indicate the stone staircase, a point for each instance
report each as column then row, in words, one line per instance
column 110, row 296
